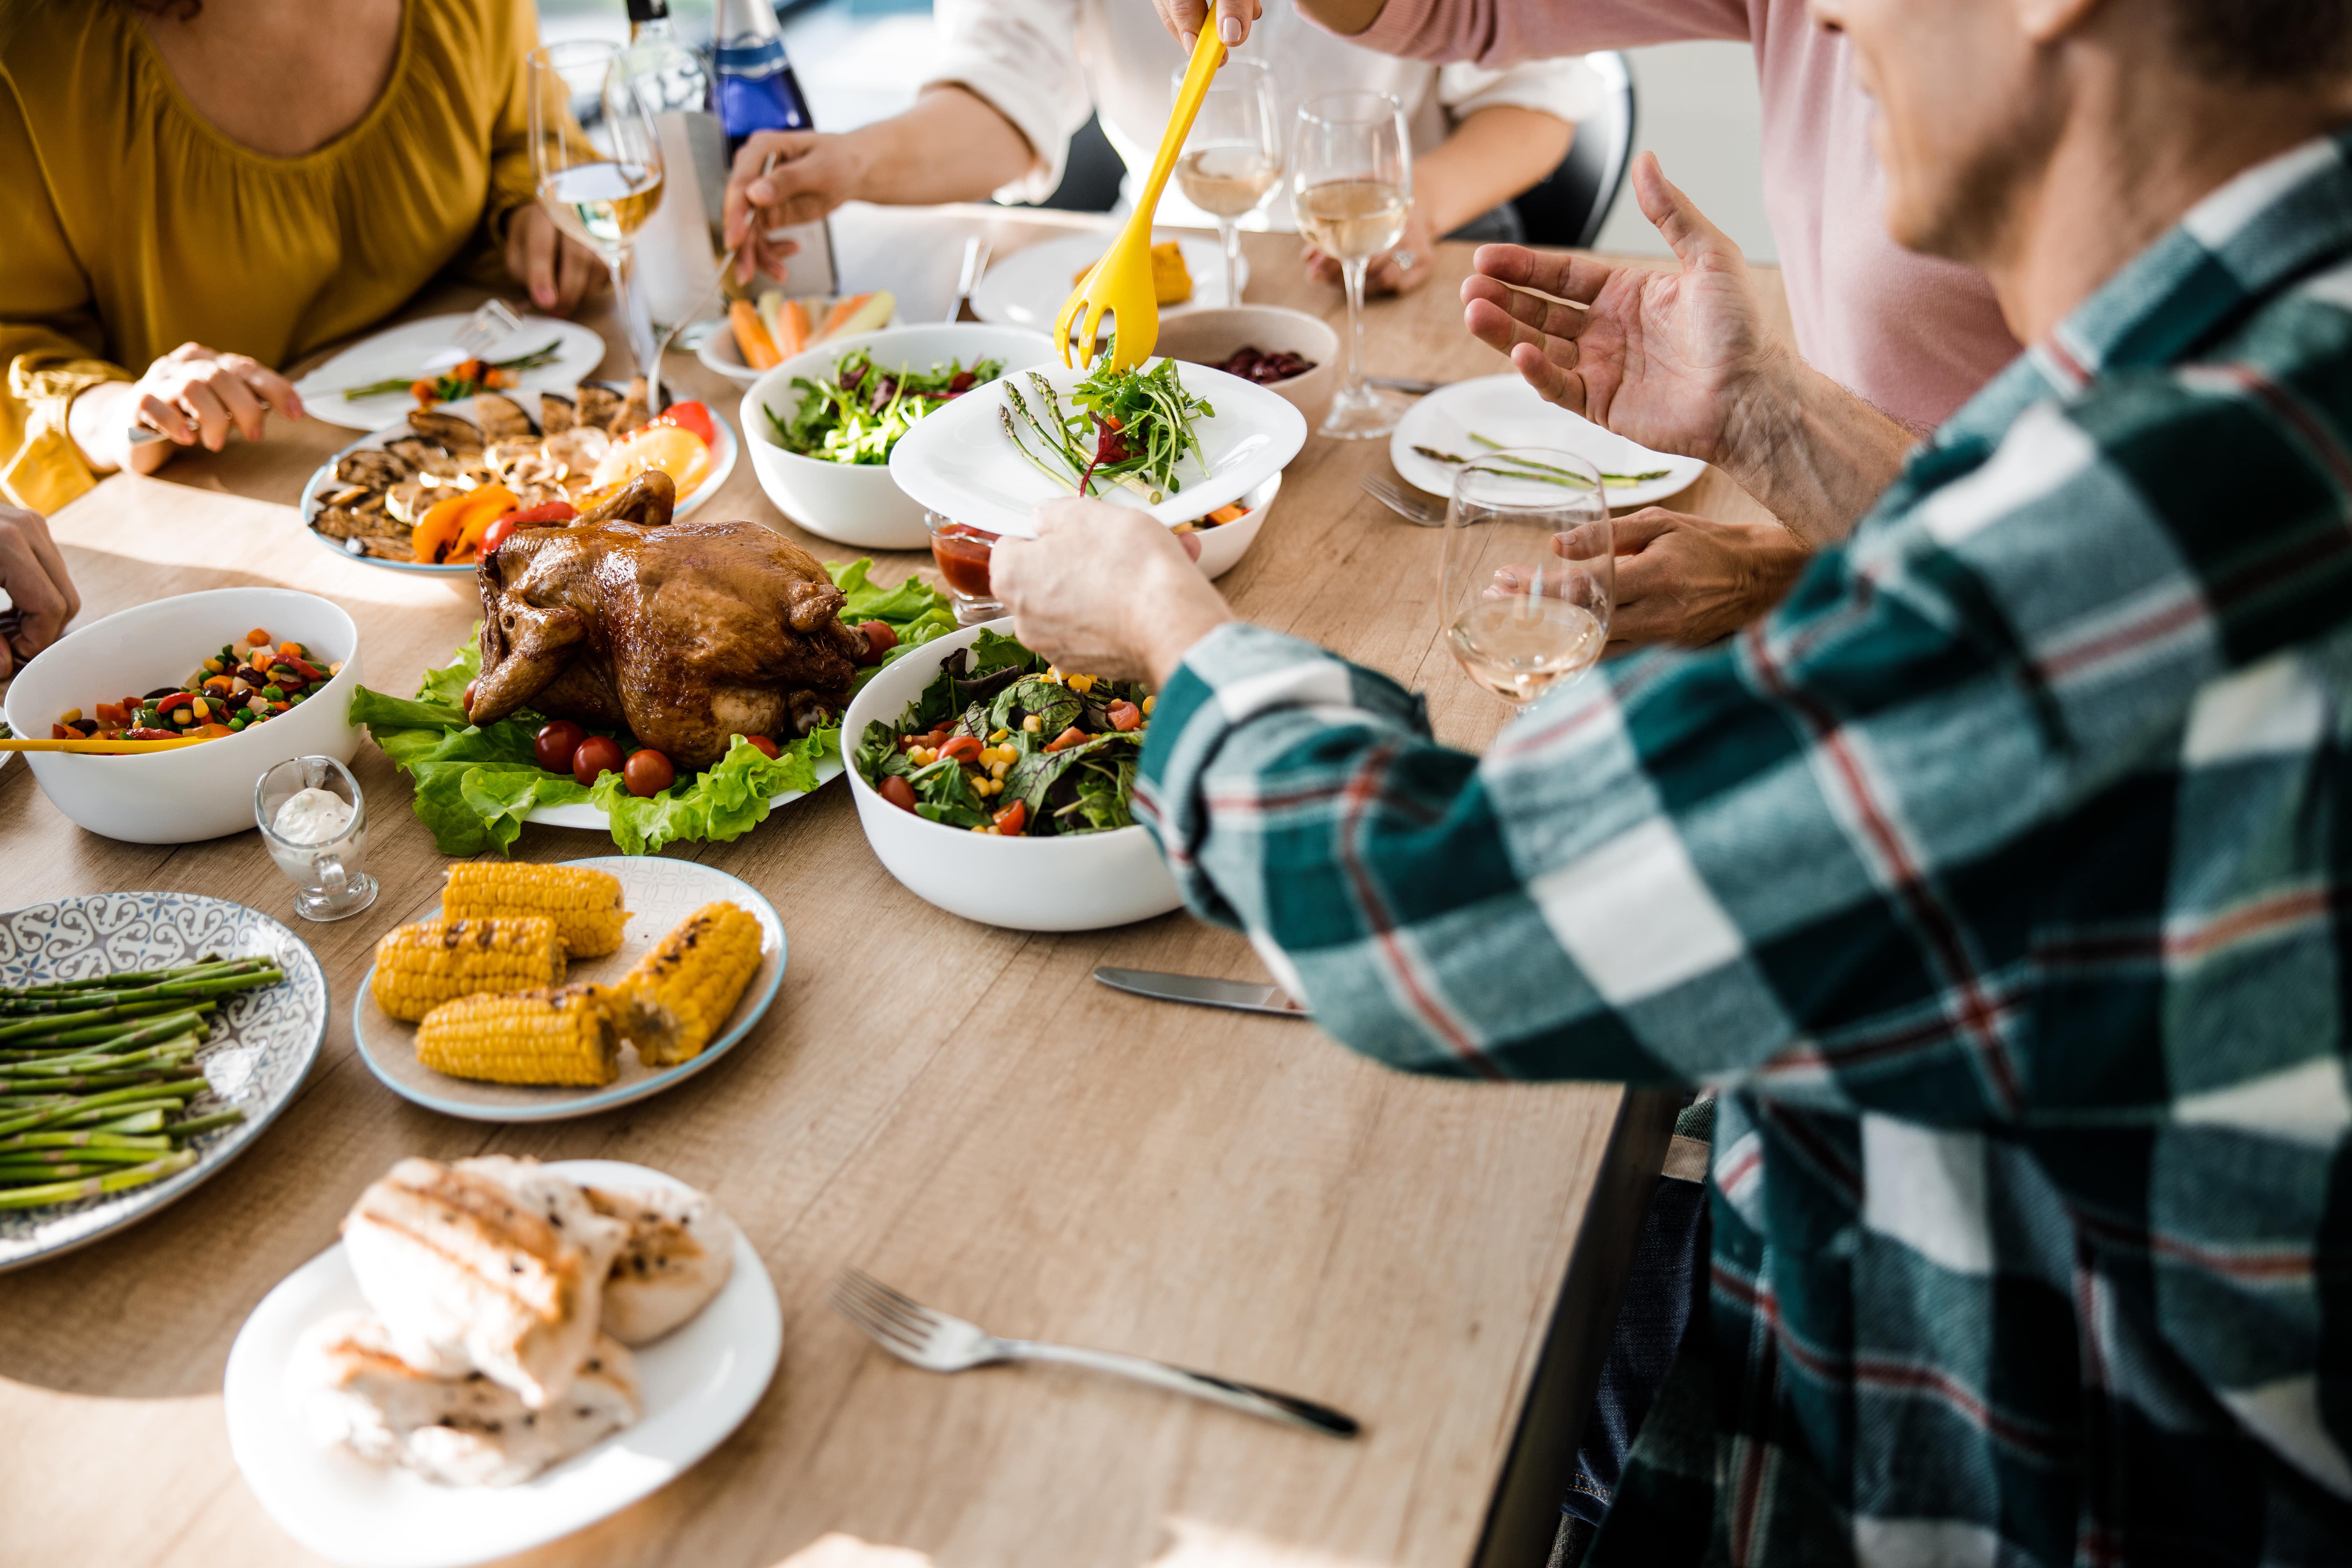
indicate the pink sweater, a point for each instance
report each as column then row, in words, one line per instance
column 1914, row 335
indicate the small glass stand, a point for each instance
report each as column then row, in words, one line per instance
column 328, row 881
column 962, row 553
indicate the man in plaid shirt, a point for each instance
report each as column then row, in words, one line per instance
column 1993, row 877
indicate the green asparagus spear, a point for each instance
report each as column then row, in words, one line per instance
column 94, row 1186
column 203, row 1124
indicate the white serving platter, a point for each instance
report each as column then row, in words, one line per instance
column 1505, row 408
column 723, row 457
column 698, row 1383
column 403, row 351
column 960, row 463
column 659, row 893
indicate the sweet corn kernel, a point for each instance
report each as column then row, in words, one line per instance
column 212, row 666
column 71, row 716
column 1000, row 735
column 1148, row 702
column 1031, row 723
column 200, row 709
column 997, row 768
column 980, row 829
column 1081, row 684
column 336, row 667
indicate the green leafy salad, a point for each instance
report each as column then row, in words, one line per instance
column 1131, row 427
column 1002, row 743
column 475, row 783
column 857, row 414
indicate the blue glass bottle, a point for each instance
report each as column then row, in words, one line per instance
column 756, row 88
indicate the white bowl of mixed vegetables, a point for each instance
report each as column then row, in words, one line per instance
column 1001, row 790
column 821, row 425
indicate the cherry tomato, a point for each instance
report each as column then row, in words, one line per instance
column 964, row 749
column 897, row 792
column 597, row 754
column 1013, row 819
column 879, row 639
column 648, row 772
column 766, row 747
column 496, row 534
column 1125, row 716
column 557, row 743
column 468, row 700
column 1070, row 737
column 691, row 418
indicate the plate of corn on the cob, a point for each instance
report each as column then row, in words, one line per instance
column 145, row 1040
column 545, row 991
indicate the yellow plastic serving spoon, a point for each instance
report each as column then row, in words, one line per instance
column 1120, row 282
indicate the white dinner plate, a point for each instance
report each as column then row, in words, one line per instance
column 403, row 350
column 1506, row 409
column 722, row 463
column 1026, row 289
column 588, row 815
column 697, row 1384
column 262, row 1047
column 959, row 462
column 658, row 894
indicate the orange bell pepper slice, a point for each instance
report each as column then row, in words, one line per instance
column 451, row 529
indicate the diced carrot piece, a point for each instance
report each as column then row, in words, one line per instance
column 752, row 338
column 1232, row 511
column 256, row 637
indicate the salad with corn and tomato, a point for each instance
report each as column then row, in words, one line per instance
column 243, row 685
column 1003, row 743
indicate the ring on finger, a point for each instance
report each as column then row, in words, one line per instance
column 1404, row 261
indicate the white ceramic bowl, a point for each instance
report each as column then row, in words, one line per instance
column 721, row 353
column 1079, row 883
column 858, row 503
column 197, row 791
column 1223, row 547
column 1211, row 337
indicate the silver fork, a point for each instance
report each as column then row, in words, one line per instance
column 493, row 324
column 933, row 1341
column 1413, row 508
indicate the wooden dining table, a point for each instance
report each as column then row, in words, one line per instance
column 957, row 1109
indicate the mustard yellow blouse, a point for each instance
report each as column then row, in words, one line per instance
column 130, row 225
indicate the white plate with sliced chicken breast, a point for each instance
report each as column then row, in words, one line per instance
column 325, row 1368
column 368, row 500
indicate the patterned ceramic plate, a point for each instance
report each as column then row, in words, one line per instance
column 263, row 1042
column 659, row 894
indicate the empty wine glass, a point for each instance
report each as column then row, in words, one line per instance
column 1231, row 160
column 598, row 161
column 1352, row 163
column 1530, row 570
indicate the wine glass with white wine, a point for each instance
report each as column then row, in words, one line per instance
column 1352, row 166
column 1530, row 570
column 1231, row 160
column 598, row 161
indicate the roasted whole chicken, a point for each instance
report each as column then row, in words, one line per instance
column 688, row 633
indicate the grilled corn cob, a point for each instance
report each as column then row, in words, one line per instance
column 585, row 905
column 419, row 967
column 678, row 995
column 559, row 1035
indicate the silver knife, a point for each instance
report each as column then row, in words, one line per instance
column 1201, row 992
column 1404, row 383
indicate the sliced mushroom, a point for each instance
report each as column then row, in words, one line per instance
column 580, row 449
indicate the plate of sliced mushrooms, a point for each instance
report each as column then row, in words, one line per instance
column 369, row 500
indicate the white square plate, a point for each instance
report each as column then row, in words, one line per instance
column 698, row 1383
column 960, row 463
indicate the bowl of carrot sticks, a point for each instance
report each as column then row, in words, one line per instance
column 757, row 335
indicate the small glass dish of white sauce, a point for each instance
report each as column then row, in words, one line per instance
column 314, row 821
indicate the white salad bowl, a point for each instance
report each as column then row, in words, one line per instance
column 1079, row 883
column 858, row 503
column 1223, row 547
column 194, row 792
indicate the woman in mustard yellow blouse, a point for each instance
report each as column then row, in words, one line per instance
column 198, row 191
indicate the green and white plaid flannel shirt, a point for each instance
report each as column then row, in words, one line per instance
column 2000, row 877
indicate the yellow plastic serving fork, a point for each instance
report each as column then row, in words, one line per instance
column 1120, row 282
